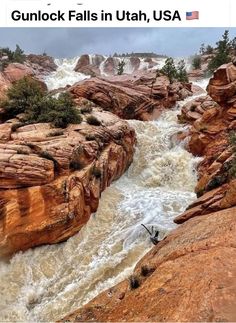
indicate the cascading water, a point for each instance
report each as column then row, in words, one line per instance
column 65, row 74
column 48, row 282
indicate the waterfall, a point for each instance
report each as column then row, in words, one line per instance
column 48, row 282
column 65, row 74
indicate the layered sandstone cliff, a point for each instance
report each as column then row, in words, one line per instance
column 52, row 179
column 190, row 275
column 138, row 96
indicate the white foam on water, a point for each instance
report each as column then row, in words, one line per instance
column 65, row 74
column 48, row 282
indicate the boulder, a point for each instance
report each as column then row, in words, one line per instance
column 82, row 62
column 52, row 179
column 15, row 71
column 109, row 67
column 135, row 62
column 133, row 96
column 41, row 64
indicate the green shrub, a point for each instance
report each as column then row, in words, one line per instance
column 86, row 109
column 222, row 55
column 196, row 63
column 97, row 172
column 22, row 151
column 45, row 154
column 120, row 68
column 146, row 271
column 92, row 120
column 22, row 96
column 90, row 137
column 16, row 56
column 16, row 126
column 75, row 165
column 129, row 112
column 169, row 69
column 134, row 282
column 178, row 73
column 193, row 107
column 55, row 133
column 181, row 74
column 27, row 96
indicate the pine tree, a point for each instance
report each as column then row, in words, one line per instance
column 182, row 75
column 120, row 68
column 209, row 50
column 18, row 55
column 222, row 53
column 202, row 49
column 196, row 63
column 169, row 69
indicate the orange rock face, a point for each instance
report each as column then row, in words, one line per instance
column 211, row 124
column 51, row 180
column 190, row 276
column 14, row 72
column 132, row 96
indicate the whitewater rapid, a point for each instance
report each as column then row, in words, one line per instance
column 48, row 282
column 66, row 75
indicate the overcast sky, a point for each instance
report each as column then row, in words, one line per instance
column 69, row 42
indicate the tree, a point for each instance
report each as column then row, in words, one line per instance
column 27, row 96
column 233, row 43
column 181, row 74
column 202, row 49
column 120, row 68
column 209, row 50
column 196, row 62
column 18, row 55
column 169, row 69
column 222, row 53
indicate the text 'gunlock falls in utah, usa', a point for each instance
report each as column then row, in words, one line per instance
column 117, row 166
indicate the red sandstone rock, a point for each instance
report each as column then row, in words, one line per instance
column 15, row 71
column 191, row 279
column 109, row 66
column 135, row 62
column 82, row 62
column 48, row 186
column 41, row 64
column 132, row 96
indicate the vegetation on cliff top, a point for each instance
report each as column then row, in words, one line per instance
column 173, row 72
column 28, row 97
column 7, row 56
column 141, row 54
column 223, row 52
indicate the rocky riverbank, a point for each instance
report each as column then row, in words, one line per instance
column 52, row 178
column 190, row 275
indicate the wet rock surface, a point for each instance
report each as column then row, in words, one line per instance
column 52, row 179
column 136, row 96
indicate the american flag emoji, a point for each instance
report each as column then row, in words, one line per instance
column 192, row 15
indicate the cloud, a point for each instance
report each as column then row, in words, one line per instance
column 69, row 42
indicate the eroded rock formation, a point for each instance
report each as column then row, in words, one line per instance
column 89, row 66
column 14, row 72
column 137, row 96
column 52, row 179
column 190, row 275
column 41, row 64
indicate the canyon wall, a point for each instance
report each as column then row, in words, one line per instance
column 52, row 179
column 190, row 275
